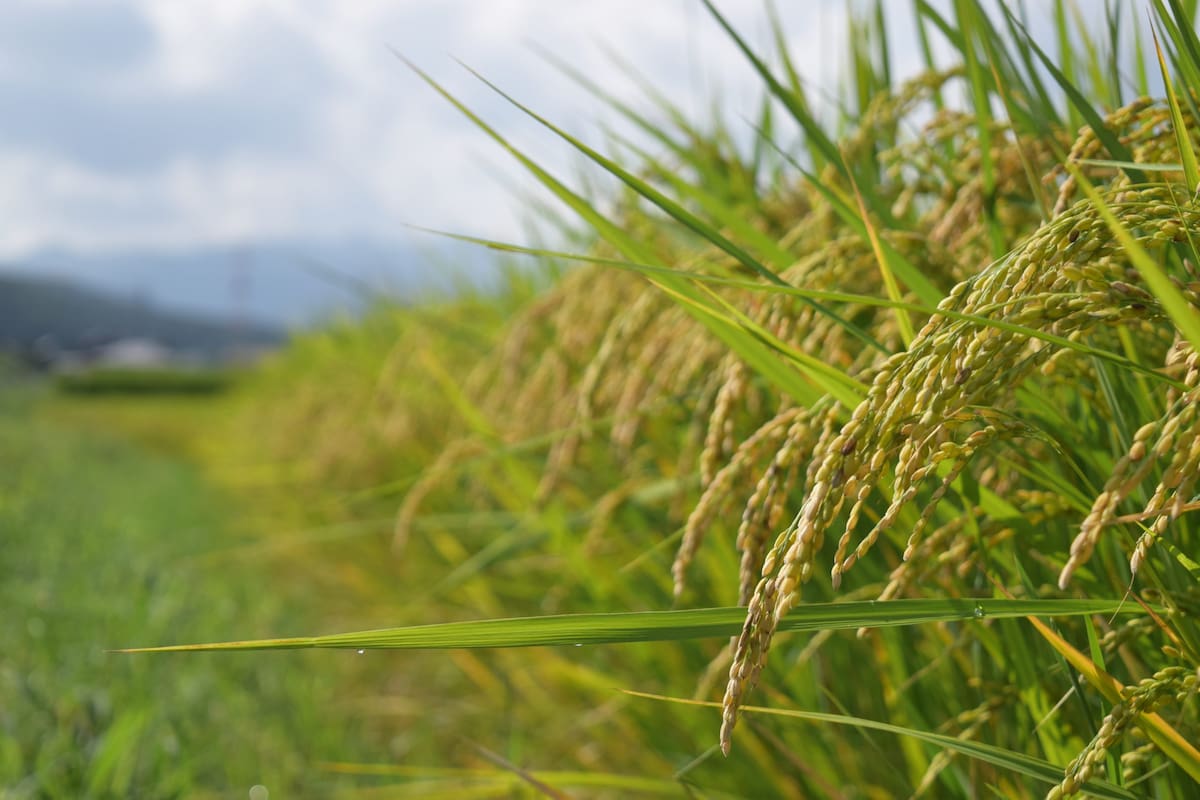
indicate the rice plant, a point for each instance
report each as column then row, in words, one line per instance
column 944, row 351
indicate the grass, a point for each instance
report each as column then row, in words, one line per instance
column 144, row 381
column 103, row 544
column 922, row 353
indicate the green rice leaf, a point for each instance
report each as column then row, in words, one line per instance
column 1127, row 165
column 1183, row 558
column 1173, row 302
column 793, row 102
column 674, row 209
column 671, row 207
column 977, row 77
column 1191, row 44
column 651, row 271
column 661, row 626
column 463, row 776
column 1186, row 154
column 1079, row 102
column 887, row 271
column 757, row 355
column 1044, row 113
column 997, row 756
column 847, row 390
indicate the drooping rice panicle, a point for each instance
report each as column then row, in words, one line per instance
column 1068, row 279
column 1170, row 684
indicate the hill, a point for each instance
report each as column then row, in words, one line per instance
column 288, row 283
column 41, row 317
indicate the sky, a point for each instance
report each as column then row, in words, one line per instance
column 162, row 147
column 135, row 124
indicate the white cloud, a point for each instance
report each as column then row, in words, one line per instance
column 247, row 119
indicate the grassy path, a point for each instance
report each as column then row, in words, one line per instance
column 99, row 540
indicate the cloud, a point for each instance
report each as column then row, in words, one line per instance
column 140, row 123
column 108, row 93
column 61, row 42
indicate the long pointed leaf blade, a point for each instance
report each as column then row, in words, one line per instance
column 1116, row 149
column 662, row 626
column 672, row 208
column 1190, row 169
column 756, row 354
column 643, row 123
column 1183, row 25
column 885, row 270
column 1169, row 740
column 1181, row 312
column 812, row 129
column 652, row 271
column 905, row 269
column 997, row 756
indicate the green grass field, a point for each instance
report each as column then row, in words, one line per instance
column 106, row 545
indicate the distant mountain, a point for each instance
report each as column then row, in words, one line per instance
column 283, row 283
column 40, row 318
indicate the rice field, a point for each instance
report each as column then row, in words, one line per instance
column 108, row 543
column 858, row 463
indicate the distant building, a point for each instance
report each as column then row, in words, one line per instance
column 132, row 352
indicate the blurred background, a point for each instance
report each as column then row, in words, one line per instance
column 255, row 163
